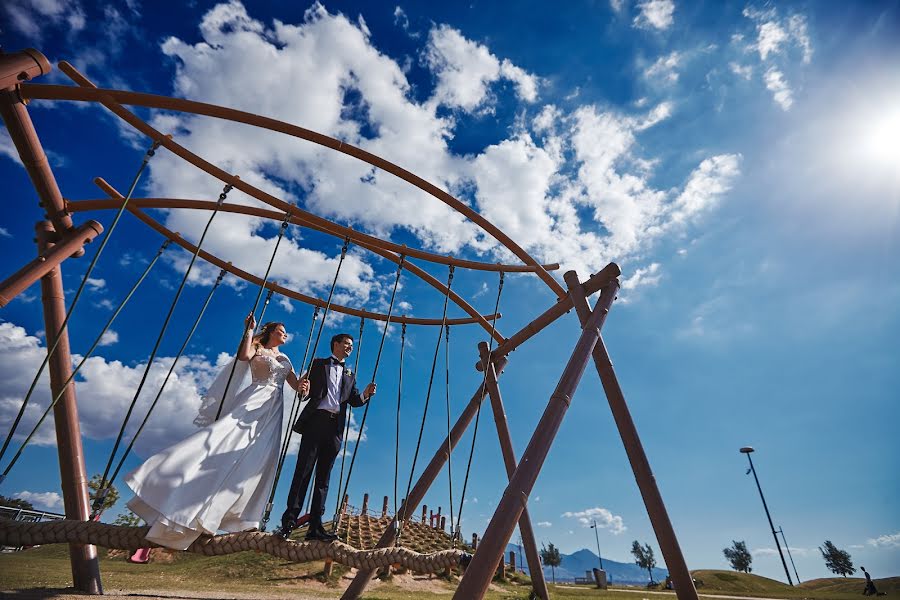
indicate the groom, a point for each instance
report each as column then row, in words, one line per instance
column 321, row 423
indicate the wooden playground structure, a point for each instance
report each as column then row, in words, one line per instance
column 59, row 238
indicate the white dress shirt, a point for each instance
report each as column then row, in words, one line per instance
column 334, row 373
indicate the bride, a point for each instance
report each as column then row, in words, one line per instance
column 219, row 477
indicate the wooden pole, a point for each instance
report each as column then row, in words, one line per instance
column 477, row 578
column 363, row 576
column 538, row 583
column 65, row 246
column 640, row 465
column 73, row 476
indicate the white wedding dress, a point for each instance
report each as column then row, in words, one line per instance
column 219, row 477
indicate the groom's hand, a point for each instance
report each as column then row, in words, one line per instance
column 304, row 386
column 369, row 391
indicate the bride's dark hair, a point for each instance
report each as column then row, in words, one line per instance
column 265, row 332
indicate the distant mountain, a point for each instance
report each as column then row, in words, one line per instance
column 576, row 564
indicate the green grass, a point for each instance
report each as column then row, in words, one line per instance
column 260, row 575
column 747, row 584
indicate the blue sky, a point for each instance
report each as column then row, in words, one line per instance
column 738, row 160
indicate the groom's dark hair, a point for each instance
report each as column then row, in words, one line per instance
column 340, row 338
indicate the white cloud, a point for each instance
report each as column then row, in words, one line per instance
column 774, row 38
column 109, row 338
column 617, row 5
column 8, row 148
column 778, row 85
column 885, row 541
column 466, row 69
column 648, row 275
column 535, row 188
column 547, row 119
column 706, row 185
column 402, row 20
column 105, row 388
column 768, row 552
column 658, row 14
column 96, row 284
column 5, row 233
column 105, row 303
column 770, row 37
column 31, row 17
column 798, row 30
column 41, row 500
column 544, row 524
column 744, row 71
column 665, row 68
column 603, row 517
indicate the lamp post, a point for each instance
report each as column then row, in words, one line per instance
column 747, row 450
column 788, row 548
column 597, row 537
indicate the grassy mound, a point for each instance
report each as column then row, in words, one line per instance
column 733, row 582
column 852, row 585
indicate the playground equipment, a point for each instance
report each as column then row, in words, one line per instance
column 60, row 238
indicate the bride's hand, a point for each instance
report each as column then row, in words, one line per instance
column 250, row 322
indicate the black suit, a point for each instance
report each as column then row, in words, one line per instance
column 322, row 433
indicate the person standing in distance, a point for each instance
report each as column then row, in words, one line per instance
column 321, row 423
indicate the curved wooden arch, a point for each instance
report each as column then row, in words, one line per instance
column 476, row 317
column 112, row 100
column 361, row 239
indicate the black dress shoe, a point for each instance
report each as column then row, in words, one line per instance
column 319, row 534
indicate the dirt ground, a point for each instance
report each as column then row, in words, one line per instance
column 418, row 585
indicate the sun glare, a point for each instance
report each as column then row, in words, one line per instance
column 879, row 138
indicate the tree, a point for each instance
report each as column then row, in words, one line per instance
column 128, row 519
column 739, row 557
column 550, row 557
column 837, row 560
column 16, row 503
column 112, row 495
column 643, row 557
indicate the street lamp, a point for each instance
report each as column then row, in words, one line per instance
column 597, row 537
column 788, row 548
column 747, row 450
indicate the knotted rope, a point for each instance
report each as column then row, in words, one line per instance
column 66, row 531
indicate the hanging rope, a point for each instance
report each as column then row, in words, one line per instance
column 399, row 396
column 284, row 224
column 50, row 351
column 337, row 272
column 103, row 489
column 262, row 313
column 337, row 507
column 305, row 370
column 487, row 366
column 437, row 348
column 292, row 416
column 71, row 377
column 187, row 340
column 449, row 452
column 387, row 325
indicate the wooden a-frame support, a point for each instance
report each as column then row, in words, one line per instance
column 60, row 233
column 512, row 507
